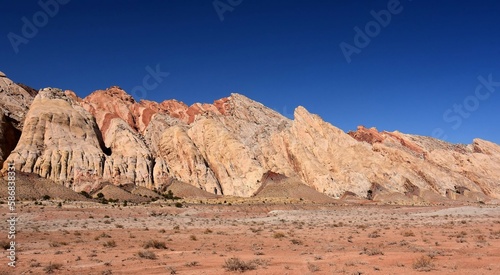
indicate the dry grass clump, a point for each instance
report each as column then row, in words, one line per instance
column 236, row 264
column 49, row 269
column 109, row 244
column 374, row 234
column 147, row 254
column 154, row 244
column 371, row 251
column 278, row 235
column 296, row 241
column 191, row 264
column 312, row 267
column 408, row 233
column 423, row 263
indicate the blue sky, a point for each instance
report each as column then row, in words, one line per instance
column 411, row 76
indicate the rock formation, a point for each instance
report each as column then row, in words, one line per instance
column 60, row 141
column 228, row 147
column 15, row 100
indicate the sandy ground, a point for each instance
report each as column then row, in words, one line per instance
column 301, row 238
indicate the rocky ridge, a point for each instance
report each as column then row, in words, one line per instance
column 226, row 147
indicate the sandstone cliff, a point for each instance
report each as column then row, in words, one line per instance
column 226, row 147
column 60, row 141
column 15, row 100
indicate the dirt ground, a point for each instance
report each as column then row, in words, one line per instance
column 257, row 238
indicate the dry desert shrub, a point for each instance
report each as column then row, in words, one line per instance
column 423, row 263
column 154, row 244
column 49, row 269
column 372, row 251
column 255, row 230
column 146, row 254
column 374, row 234
column 34, row 263
column 296, row 241
column 103, row 235
column 171, row 270
column 191, row 264
column 57, row 244
column 408, row 233
column 236, row 264
column 109, row 244
column 312, row 267
column 278, row 235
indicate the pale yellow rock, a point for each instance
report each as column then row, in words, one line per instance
column 235, row 167
column 60, row 142
column 184, row 161
column 130, row 160
column 324, row 157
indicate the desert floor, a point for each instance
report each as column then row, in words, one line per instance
column 267, row 238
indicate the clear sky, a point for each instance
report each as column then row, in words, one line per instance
column 416, row 73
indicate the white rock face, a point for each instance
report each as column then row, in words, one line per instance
column 60, row 141
column 184, row 161
column 234, row 165
column 130, row 160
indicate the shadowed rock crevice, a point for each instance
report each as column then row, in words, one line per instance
column 9, row 137
column 106, row 150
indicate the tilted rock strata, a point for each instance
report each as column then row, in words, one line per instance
column 130, row 159
column 184, row 161
column 230, row 160
column 226, row 148
column 441, row 166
